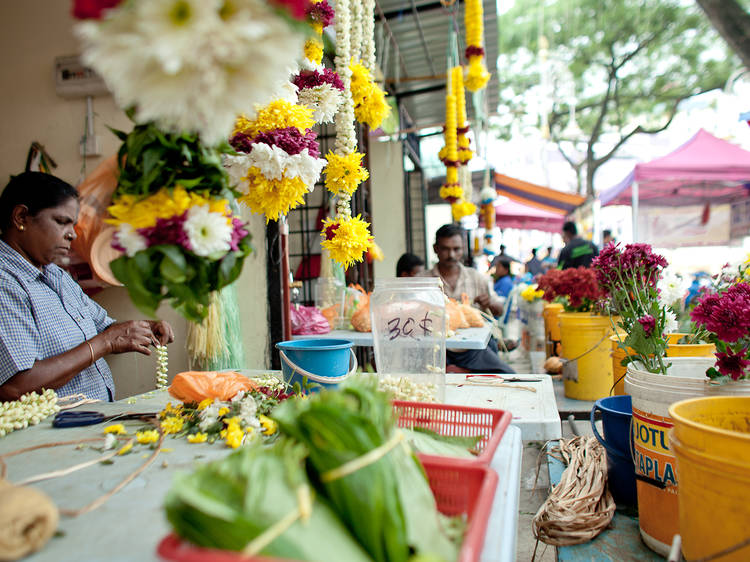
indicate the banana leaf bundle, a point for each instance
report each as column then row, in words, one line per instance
column 360, row 463
column 230, row 503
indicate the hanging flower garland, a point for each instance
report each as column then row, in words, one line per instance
column 28, row 410
column 278, row 161
column 370, row 106
column 184, row 63
column 177, row 231
column 462, row 128
column 346, row 238
column 319, row 88
column 487, row 198
column 477, row 76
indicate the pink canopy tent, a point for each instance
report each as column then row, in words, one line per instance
column 516, row 215
column 705, row 169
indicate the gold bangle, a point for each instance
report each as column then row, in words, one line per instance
column 91, row 349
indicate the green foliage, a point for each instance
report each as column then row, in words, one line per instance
column 624, row 63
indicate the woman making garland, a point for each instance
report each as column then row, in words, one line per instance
column 51, row 334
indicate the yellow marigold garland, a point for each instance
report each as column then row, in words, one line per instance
column 462, row 209
column 279, row 114
column 273, row 197
column 464, row 151
column 143, row 212
column 314, row 50
column 451, row 192
column 346, row 239
column 370, row 106
column 477, row 76
column 345, row 173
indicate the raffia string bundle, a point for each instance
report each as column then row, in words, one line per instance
column 28, row 519
column 580, row 506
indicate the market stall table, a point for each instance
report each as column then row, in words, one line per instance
column 465, row 338
column 132, row 522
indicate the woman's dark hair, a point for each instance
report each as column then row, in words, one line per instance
column 35, row 190
column 406, row 263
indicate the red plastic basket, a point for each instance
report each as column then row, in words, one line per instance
column 456, row 421
column 460, row 487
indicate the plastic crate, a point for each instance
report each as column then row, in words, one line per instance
column 460, row 487
column 457, row 421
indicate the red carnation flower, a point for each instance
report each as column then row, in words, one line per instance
column 732, row 364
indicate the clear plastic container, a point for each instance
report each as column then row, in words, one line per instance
column 408, row 327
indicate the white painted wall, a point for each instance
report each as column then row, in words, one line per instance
column 34, row 33
column 388, row 222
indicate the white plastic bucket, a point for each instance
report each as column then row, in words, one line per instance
column 655, row 466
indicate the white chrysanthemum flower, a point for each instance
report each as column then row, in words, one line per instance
column 237, row 166
column 127, row 237
column 671, row 288
column 248, row 412
column 209, row 233
column 209, row 416
column 670, row 322
column 307, row 64
column 487, row 194
column 324, row 100
column 191, row 65
column 305, row 167
column 269, row 159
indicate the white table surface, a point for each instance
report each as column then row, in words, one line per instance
column 131, row 523
column 466, row 338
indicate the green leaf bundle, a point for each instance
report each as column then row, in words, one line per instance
column 228, row 503
column 387, row 504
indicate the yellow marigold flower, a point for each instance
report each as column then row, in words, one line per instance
column 147, row 436
column 249, row 429
column 346, row 239
column 125, row 448
column 223, row 411
column 117, row 429
column 478, row 76
column 233, row 434
column 172, row 424
column 317, row 27
column 234, row 420
column 170, row 410
column 205, row 403
column 273, row 197
column 532, row 293
column 462, row 209
column 455, row 191
column 197, row 438
column 370, row 106
column 345, row 173
column 269, row 426
column 143, row 212
column 314, row 50
column 279, row 114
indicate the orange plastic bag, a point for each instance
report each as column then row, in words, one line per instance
column 194, row 386
column 361, row 317
column 472, row 315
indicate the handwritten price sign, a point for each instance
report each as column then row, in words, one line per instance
column 410, row 327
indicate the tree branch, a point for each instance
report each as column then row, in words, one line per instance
column 732, row 23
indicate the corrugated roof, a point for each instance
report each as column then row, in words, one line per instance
column 412, row 40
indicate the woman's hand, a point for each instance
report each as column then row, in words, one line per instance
column 133, row 335
column 163, row 331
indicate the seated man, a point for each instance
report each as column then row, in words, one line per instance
column 458, row 280
column 409, row 265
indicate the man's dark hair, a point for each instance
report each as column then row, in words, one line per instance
column 570, row 228
column 449, row 231
column 533, row 252
column 37, row 191
column 406, row 263
column 504, row 261
column 606, row 233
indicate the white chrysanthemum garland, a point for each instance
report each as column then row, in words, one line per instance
column 28, row 410
column 370, row 106
column 278, row 158
column 184, row 63
column 345, row 237
column 319, row 88
column 162, row 367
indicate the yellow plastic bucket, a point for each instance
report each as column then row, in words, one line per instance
column 656, row 474
column 711, row 442
column 674, row 349
column 587, row 373
column 551, row 314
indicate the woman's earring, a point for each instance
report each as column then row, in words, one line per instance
column 21, row 227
